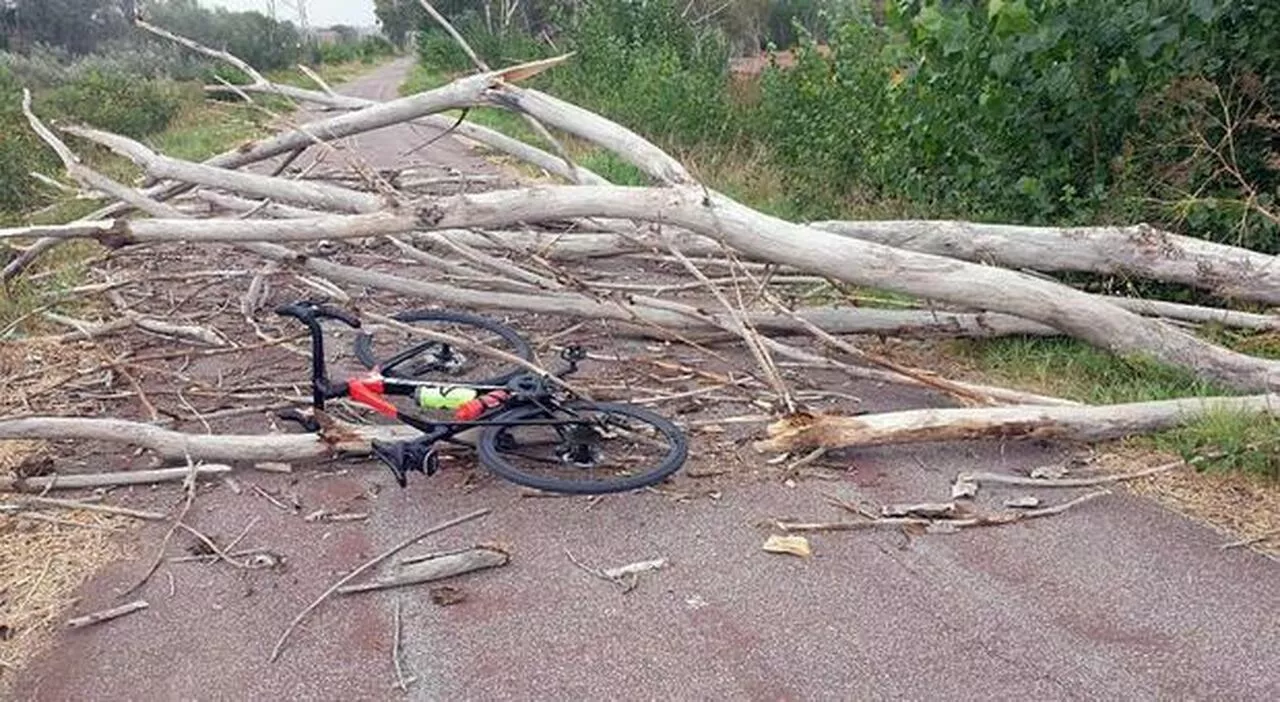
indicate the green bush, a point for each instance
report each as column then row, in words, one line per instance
column 21, row 152
column 638, row 63
column 1030, row 111
column 117, row 102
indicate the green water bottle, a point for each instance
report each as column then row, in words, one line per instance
column 441, row 397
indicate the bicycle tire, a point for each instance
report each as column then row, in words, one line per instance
column 491, row 457
column 522, row 349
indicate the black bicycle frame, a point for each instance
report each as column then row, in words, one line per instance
column 371, row 389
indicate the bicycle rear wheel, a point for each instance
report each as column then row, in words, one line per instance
column 402, row 354
column 583, row 448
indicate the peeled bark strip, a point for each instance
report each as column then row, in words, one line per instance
column 439, row 568
column 1084, row 423
column 1140, row 250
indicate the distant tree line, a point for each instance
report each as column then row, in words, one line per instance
column 749, row 25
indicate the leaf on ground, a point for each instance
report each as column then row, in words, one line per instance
column 1025, row 502
column 964, row 488
column 794, row 545
column 446, row 595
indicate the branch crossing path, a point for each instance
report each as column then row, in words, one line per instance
column 1117, row 599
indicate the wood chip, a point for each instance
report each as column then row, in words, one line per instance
column 794, row 545
column 106, row 614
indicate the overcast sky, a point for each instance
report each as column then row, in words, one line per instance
column 322, row 13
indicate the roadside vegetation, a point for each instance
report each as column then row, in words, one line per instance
column 128, row 82
column 1066, row 113
column 86, row 63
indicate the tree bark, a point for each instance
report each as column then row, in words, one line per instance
column 176, row 445
column 1084, row 423
column 1140, row 250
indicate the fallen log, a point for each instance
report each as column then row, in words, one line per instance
column 175, row 445
column 804, row 432
column 1140, row 250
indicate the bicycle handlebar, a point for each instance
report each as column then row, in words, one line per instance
column 309, row 312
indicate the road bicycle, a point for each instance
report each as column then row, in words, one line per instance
column 581, row 446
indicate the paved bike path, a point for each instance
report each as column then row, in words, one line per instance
column 1117, row 599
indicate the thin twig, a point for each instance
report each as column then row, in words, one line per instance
column 1017, row 480
column 940, row 524
column 106, row 614
column 275, row 652
column 88, row 507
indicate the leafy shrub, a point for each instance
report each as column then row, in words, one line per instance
column 21, row 152
column 1009, row 109
column 117, row 102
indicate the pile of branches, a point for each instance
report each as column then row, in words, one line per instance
column 978, row 280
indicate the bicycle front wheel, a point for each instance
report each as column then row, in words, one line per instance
column 584, row 448
column 403, row 354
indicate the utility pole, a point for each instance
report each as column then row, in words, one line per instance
column 302, row 18
column 271, row 9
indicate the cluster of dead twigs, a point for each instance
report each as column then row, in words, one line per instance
column 513, row 249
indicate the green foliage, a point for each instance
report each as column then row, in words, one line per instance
column 1075, row 370
column 1231, row 440
column 20, row 151
column 77, row 25
column 117, row 102
column 1022, row 110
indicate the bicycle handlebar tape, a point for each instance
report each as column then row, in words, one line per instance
column 472, row 409
column 442, row 397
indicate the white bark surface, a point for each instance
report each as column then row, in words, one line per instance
column 1140, row 251
column 1082, row 423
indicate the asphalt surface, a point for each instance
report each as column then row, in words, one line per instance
column 1116, row 599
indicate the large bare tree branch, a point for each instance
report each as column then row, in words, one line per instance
column 1140, row 251
column 743, row 229
column 1097, row 423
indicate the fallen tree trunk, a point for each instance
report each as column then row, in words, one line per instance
column 841, row 258
column 803, row 432
column 175, row 445
column 1139, row 250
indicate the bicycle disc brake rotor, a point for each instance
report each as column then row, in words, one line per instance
column 440, row 358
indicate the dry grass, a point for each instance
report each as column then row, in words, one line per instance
column 1238, row 504
column 41, row 565
column 44, row 556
